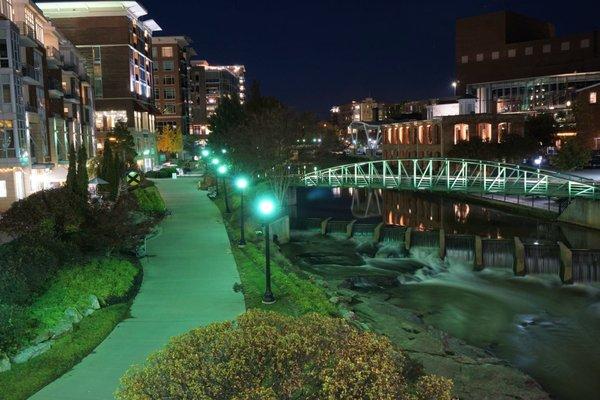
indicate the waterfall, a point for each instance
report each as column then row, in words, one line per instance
column 461, row 248
column 425, row 239
column 586, row 266
column 498, row 253
column 542, row 259
column 392, row 234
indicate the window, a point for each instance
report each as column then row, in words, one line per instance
column 169, row 93
column 564, row 46
column 479, row 57
column 168, row 65
column 495, row 55
column 3, row 192
column 169, row 109
column 167, row 52
column 593, row 98
column 461, row 132
column 168, row 80
column 585, row 43
column 512, row 53
column 4, row 59
column 154, row 52
column 547, row 48
column 156, row 93
column 5, row 94
column 464, row 59
column 528, row 51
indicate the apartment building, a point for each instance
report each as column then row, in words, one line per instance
column 34, row 132
column 199, row 119
column 115, row 41
column 172, row 55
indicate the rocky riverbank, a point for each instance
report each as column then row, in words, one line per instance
column 363, row 293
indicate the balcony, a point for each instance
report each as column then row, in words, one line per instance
column 54, row 57
column 28, row 35
column 31, row 108
column 31, row 75
column 55, row 89
column 72, row 96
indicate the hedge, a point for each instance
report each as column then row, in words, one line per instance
column 150, row 200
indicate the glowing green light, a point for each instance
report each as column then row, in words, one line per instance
column 241, row 183
column 222, row 169
column 215, row 161
column 205, row 153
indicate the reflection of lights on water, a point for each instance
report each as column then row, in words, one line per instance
column 337, row 192
column 397, row 206
column 421, row 227
column 351, row 191
column 461, row 212
column 536, row 243
column 390, row 218
column 431, row 218
column 410, row 210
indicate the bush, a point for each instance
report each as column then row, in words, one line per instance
column 149, row 200
column 14, row 327
column 162, row 173
column 110, row 280
column 264, row 355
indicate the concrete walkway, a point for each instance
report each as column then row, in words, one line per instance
column 188, row 281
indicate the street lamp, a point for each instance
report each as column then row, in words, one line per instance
column 241, row 183
column 267, row 207
column 223, row 172
column 215, row 161
column 205, row 153
column 224, row 151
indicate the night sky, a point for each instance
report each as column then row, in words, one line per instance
column 314, row 54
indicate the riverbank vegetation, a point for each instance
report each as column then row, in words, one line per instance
column 66, row 277
column 268, row 356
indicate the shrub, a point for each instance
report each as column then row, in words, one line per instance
column 163, row 173
column 149, row 200
column 14, row 327
column 264, row 355
column 110, row 280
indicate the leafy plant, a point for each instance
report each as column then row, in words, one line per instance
column 572, row 155
column 265, row 355
column 14, row 327
column 149, row 200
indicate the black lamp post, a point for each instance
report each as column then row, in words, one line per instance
column 241, row 183
column 267, row 208
column 223, row 172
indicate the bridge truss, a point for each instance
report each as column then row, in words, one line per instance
column 455, row 175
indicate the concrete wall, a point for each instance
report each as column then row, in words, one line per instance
column 281, row 228
column 582, row 212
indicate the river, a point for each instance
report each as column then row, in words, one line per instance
column 546, row 329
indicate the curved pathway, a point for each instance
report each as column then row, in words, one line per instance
column 188, row 281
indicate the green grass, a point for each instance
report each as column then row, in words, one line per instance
column 295, row 295
column 106, row 279
column 23, row 380
column 150, row 200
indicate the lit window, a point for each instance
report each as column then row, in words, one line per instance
column 528, row 51
column 547, row 48
column 585, row 43
column 168, row 80
column 464, row 59
column 512, row 53
column 167, row 51
column 479, row 57
column 495, row 55
column 169, row 94
column 593, row 98
column 3, row 192
column 169, row 109
column 564, row 46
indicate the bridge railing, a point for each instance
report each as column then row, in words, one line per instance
column 456, row 175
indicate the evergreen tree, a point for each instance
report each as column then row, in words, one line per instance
column 72, row 172
column 106, row 165
column 122, row 143
column 115, row 176
column 82, row 173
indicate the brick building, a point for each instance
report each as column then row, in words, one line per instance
column 116, row 44
column 172, row 55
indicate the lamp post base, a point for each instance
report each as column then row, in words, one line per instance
column 242, row 243
column 268, row 298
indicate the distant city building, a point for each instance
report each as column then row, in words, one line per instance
column 516, row 64
column 46, row 105
column 172, row 69
column 210, row 83
column 116, row 44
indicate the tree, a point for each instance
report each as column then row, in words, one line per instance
column 170, row 140
column 72, row 171
column 82, row 172
column 106, row 165
column 542, row 127
column 228, row 116
column 265, row 355
column 515, row 148
column 572, row 155
column 121, row 141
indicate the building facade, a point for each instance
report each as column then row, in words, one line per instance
column 199, row 125
column 116, row 44
column 516, row 64
column 46, row 102
column 172, row 72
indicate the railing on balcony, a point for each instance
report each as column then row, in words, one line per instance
column 52, row 53
column 31, row 72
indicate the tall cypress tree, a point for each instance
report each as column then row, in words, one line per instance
column 106, row 164
column 72, row 172
column 115, row 176
column 82, row 173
